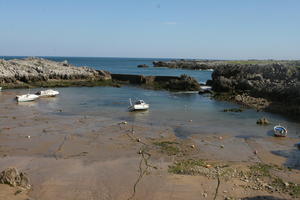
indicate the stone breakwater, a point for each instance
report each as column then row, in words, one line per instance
column 278, row 84
column 32, row 70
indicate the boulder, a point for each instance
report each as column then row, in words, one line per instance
column 209, row 83
column 12, row 177
column 184, row 83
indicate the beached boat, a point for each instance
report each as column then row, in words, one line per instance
column 27, row 97
column 280, row 131
column 47, row 93
column 138, row 105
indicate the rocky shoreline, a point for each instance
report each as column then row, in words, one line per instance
column 39, row 72
column 272, row 87
column 214, row 64
column 186, row 64
column 262, row 85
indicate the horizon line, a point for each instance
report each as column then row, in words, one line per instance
column 174, row 58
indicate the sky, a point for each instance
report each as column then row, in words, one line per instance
column 204, row 29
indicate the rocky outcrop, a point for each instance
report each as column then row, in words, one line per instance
column 182, row 83
column 261, row 84
column 12, row 177
column 31, row 70
column 186, row 64
column 39, row 72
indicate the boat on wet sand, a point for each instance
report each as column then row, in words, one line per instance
column 47, row 93
column 138, row 105
column 27, row 97
column 280, row 131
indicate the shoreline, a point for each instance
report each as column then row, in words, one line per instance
column 39, row 72
column 254, row 90
column 64, row 152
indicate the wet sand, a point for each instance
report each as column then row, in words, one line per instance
column 87, row 157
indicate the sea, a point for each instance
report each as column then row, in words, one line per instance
column 187, row 113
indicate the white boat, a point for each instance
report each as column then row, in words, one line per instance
column 280, row 131
column 138, row 105
column 0, row 89
column 47, row 93
column 205, row 87
column 27, row 97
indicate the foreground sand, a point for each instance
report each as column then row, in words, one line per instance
column 83, row 157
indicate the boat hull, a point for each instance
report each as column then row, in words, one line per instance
column 138, row 107
column 47, row 93
column 280, row 131
column 27, row 98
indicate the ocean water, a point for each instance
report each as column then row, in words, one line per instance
column 185, row 113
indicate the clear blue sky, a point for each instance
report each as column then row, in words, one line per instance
column 223, row 29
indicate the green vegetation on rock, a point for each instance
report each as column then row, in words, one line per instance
column 168, row 147
column 186, row 166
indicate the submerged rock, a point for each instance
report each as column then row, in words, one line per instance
column 143, row 66
column 233, row 110
column 12, row 177
column 263, row 121
column 257, row 103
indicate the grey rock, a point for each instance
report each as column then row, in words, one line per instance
column 275, row 82
column 12, row 177
column 38, row 69
column 186, row 64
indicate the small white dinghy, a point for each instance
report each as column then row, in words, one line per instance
column 138, row 105
column 280, row 131
column 47, row 93
column 27, row 97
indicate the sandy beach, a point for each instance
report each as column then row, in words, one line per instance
column 84, row 157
